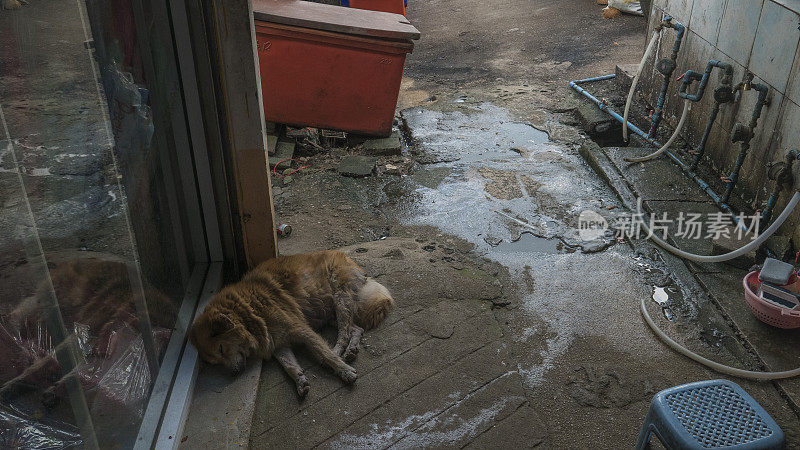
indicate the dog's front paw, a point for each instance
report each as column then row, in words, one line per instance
column 348, row 374
column 302, row 387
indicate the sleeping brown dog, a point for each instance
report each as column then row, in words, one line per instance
column 281, row 303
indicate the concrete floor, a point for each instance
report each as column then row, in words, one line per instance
column 510, row 330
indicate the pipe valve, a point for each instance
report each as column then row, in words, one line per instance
column 741, row 133
column 747, row 81
column 666, row 66
column 723, row 94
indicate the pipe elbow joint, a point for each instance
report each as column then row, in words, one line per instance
column 727, row 71
column 689, row 77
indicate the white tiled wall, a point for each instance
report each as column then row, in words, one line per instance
column 775, row 44
column 705, row 19
column 762, row 36
column 793, row 90
column 738, row 25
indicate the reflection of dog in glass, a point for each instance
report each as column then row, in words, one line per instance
column 281, row 302
column 95, row 292
column 13, row 4
column 98, row 308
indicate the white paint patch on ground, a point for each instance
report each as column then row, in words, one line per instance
column 382, row 435
column 425, row 429
column 427, row 436
column 39, row 172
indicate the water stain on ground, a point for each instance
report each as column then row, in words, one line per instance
column 477, row 161
column 530, row 243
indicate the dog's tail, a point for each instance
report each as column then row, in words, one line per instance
column 374, row 303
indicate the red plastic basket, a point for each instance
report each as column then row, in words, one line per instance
column 764, row 311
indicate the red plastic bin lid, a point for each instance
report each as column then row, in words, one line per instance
column 319, row 16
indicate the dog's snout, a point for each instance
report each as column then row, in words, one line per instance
column 238, row 365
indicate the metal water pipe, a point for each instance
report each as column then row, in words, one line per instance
column 744, row 133
column 723, row 94
column 666, row 67
column 784, row 179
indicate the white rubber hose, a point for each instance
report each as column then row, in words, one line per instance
column 727, row 370
column 635, row 81
column 730, row 255
column 686, row 107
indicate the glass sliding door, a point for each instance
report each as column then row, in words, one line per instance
column 102, row 241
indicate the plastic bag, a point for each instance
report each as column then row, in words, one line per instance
column 116, row 381
column 626, row 6
column 18, row 430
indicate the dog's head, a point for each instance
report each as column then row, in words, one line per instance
column 221, row 337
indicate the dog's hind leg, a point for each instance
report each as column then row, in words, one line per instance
column 319, row 348
column 343, row 302
column 286, row 358
column 355, row 338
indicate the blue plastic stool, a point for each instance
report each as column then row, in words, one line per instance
column 709, row 414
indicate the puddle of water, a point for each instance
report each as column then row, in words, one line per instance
column 522, row 134
column 530, row 243
column 478, row 160
column 475, row 133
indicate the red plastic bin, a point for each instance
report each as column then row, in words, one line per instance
column 392, row 6
column 312, row 74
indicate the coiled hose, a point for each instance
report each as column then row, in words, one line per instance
column 686, row 107
column 635, row 81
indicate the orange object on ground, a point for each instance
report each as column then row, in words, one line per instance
column 321, row 78
column 392, row 6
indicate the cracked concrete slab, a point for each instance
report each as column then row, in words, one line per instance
column 658, row 179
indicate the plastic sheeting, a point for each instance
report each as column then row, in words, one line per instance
column 627, row 6
column 19, row 430
column 114, row 374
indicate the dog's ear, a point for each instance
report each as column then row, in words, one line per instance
column 221, row 324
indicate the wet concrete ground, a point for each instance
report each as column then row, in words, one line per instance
column 510, row 329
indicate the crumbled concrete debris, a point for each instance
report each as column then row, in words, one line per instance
column 357, row 166
column 300, row 132
column 392, row 169
column 272, row 142
column 523, row 151
column 389, row 146
column 283, row 150
column 384, row 147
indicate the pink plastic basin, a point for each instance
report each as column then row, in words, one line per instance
column 767, row 312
